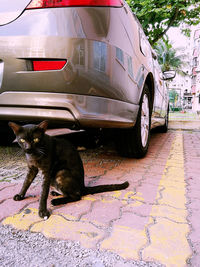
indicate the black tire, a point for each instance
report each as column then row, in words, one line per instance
column 134, row 142
column 6, row 134
column 164, row 128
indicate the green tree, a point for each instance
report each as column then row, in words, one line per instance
column 173, row 97
column 157, row 16
column 168, row 58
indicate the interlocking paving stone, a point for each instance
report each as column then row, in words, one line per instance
column 155, row 219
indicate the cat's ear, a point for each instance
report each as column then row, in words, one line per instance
column 15, row 127
column 43, row 125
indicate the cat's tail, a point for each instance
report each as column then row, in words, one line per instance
column 104, row 188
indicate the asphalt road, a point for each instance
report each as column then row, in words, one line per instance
column 154, row 222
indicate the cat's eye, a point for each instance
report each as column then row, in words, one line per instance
column 36, row 140
column 22, row 140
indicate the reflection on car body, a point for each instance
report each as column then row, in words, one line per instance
column 81, row 64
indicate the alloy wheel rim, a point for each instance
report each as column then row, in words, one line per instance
column 145, row 120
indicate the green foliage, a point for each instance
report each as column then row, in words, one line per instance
column 157, row 16
column 173, row 96
column 167, row 56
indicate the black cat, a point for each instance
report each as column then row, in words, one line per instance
column 60, row 164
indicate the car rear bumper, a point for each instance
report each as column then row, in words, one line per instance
column 86, row 37
column 93, row 89
column 76, row 111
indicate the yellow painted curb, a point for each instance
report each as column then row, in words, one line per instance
column 58, row 227
column 126, row 241
column 23, row 220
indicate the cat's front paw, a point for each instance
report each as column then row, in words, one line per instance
column 18, row 197
column 44, row 214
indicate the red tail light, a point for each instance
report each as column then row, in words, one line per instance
column 42, row 65
column 66, row 3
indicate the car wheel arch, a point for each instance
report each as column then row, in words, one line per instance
column 149, row 81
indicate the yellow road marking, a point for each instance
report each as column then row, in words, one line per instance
column 23, row 220
column 126, row 241
column 59, row 226
column 168, row 235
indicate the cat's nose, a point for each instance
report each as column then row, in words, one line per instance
column 27, row 146
column 28, row 151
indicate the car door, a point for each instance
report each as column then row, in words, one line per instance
column 159, row 100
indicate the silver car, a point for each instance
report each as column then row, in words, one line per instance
column 80, row 64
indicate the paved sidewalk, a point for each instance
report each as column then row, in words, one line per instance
column 184, row 121
column 185, row 125
column 155, row 220
column 184, row 116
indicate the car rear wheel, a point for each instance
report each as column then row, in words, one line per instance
column 134, row 142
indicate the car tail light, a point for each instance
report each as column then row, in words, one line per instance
column 42, row 65
column 67, row 3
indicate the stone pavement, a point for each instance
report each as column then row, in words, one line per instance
column 184, row 121
column 156, row 219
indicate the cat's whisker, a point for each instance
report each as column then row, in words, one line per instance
column 41, row 151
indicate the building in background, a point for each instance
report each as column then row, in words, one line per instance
column 180, row 87
column 195, row 75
